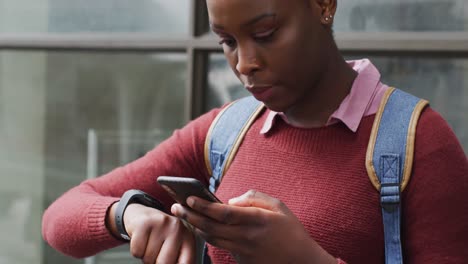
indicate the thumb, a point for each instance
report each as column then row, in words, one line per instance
column 257, row 199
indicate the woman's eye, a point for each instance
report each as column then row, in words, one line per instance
column 264, row 37
column 228, row 42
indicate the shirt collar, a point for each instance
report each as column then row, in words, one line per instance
column 354, row 106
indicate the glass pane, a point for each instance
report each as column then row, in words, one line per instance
column 223, row 85
column 444, row 82
column 159, row 17
column 402, row 15
column 53, row 105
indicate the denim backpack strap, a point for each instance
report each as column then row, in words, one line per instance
column 389, row 160
column 224, row 138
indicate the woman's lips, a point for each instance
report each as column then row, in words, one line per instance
column 261, row 93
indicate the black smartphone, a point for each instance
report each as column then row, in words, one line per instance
column 180, row 188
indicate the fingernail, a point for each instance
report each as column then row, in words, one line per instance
column 175, row 209
column 190, row 201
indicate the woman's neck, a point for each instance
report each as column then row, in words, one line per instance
column 327, row 95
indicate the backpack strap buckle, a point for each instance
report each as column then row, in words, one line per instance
column 390, row 180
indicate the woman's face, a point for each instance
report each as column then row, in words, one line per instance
column 277, row 48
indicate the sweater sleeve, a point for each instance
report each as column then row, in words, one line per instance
column 435, row 208
column 75, row 223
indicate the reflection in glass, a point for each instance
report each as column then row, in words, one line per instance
column 444, row 82
column 159, row 17
column 49, row 102
column 402, row 15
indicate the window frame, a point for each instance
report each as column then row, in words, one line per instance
column 199, row 43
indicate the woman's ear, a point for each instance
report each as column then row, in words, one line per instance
column 327, row 10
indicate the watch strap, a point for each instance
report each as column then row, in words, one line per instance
column 130, row 197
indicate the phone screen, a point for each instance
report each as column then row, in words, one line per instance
column 180, row 188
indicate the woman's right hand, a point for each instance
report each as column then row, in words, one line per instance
column 157, row 237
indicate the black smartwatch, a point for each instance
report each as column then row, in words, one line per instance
column 129, row 197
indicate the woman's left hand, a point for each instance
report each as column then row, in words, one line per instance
column 255, row 228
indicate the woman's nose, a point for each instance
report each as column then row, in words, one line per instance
column 247, row 62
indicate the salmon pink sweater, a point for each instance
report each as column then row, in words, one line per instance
column 319, row 173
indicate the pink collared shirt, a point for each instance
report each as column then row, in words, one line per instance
column 363, row 100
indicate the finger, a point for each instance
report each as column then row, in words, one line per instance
column 138, row 242
column 229, row 245
column 224, row 213
column 257, row 199
column 153, row 247
column 211, row 228
column 170, row 249
column 187, row 249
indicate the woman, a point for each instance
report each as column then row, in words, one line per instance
column 303, row 156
